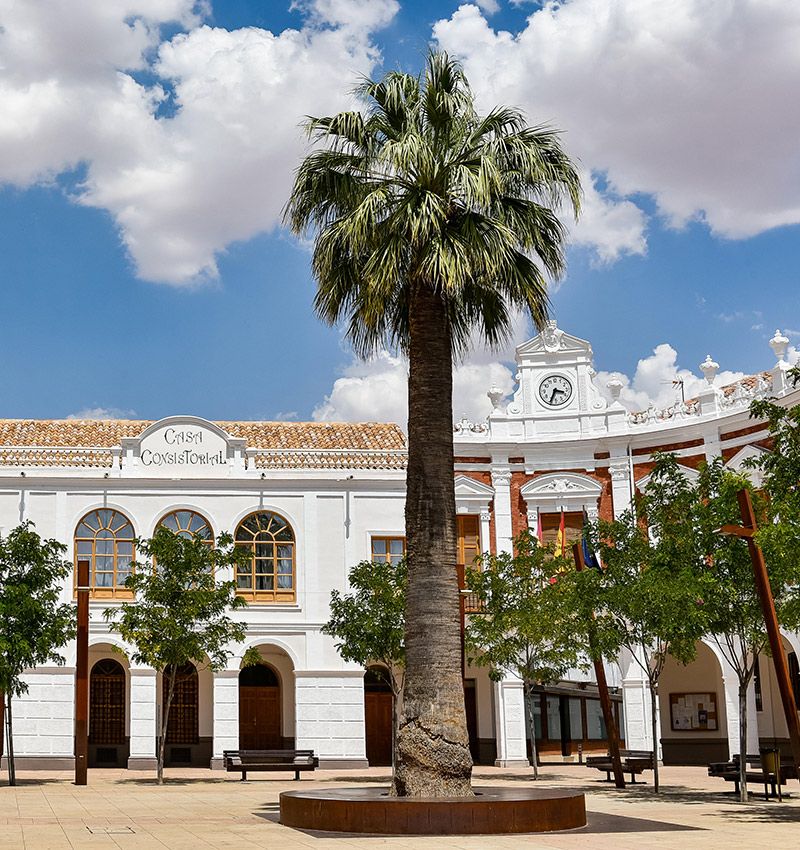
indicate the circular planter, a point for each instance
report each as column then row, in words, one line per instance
column 492, row 811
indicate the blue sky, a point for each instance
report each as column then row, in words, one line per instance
column 144, row 161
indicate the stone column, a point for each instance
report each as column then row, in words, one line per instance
column 620, row 485
column 485, row 531
column 504, row 534
column 226, row 715
column 510, row 723
column 143, row 719
column 329, row 716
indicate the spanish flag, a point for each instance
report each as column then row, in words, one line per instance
column 561, row 539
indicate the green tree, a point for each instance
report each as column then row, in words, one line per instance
column 648, row 597
column 181, row 611
column 433, row 225
column 369, row 622
column 33, row 623
column 527, row 622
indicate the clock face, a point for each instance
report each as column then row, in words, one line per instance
column 555, row 391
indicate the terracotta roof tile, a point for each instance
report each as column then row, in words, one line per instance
column 318, row 445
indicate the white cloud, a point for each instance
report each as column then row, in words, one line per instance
column 489, row 7
column 684, row 100
column 655, row 381
column 201, row 158
column 102, row 413
column 377, row 390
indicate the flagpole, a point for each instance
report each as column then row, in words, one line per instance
column 602, row 687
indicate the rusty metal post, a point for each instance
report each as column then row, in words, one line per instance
column 82, row 677
column 602, row 687
column 747, row 531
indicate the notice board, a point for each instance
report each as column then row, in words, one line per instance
column 693, row 712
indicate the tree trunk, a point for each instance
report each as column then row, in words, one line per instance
column 743, row 741
column 532, row 731
column 654, row 731
column 432, row 756
column 12, row 768
column 162, row 743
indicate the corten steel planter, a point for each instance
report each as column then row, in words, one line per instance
column 492, row 811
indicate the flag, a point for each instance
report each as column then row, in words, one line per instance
column 590, row 557
column 561, row 539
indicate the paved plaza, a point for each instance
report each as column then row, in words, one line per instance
column 200, row 810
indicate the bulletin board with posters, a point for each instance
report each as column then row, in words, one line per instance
column 693, row 712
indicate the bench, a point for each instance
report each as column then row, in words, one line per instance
column 244, row 761
column 633, row 762
column 764, row 769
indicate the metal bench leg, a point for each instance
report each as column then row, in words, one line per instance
column 608, row 776
column 244, row 775
column 633, row 778
column 297, row 776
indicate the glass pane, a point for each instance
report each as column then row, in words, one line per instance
column 244, row 582
column 265, row 566
column 84, row 547
column 104, row 517
column 265, row 582
column 92, row 521
column 575, row 722
column 394, row 560
column 184, row 518
column 265, row 550
column 537, row 715
column 284, row 551
column 244, row 569
column 285, row 582
column 104, row 562
column 84, row 531
column 553, row 719
column 284, row 565
column 125, row 548
column 122, row 575
column 396, row 546
column 105, row 535
column 104, row 547
column 125, row 531
column 595, row 726
column 378, row 546
column 284, row 534
column 170, row 522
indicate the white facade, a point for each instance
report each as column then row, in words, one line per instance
column 557, row 445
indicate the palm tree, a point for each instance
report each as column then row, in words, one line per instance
column 432, row 223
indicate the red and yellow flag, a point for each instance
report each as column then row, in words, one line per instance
column 561, row 538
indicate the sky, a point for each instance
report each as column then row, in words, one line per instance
column 147, row 148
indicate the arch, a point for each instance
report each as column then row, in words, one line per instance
column 260, row 714
column 188, row 523
column 269, row 573
column 183, row 723
column 557, row 491
column 107, row 710
column 691, row 733
column 262, row 643
column 105, row 537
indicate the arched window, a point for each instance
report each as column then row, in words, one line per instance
column 105, row 538
column 268, row 575
column 188, row 524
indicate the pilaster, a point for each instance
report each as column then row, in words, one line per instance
column 143, row 719
column 511, row 732
column 504, row 534
column 226, row 715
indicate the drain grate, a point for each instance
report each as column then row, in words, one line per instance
column 110, row 830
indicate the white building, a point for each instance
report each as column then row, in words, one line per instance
column 312, row 499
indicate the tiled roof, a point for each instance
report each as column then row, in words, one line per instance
column 278, row 445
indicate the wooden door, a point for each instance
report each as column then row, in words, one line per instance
column 259, row 709
column 107, row 703
column 378, row 727
column 471, row 708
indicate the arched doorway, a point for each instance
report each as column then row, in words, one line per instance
column 378, row 701
column 108, row 746
column 183, row 735
column 259, row 709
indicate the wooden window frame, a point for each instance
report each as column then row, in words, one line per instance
column 184, row 530
column 376, row 557
column 114, row 590
column 276, row 595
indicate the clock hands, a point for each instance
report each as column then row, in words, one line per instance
column 557, row 392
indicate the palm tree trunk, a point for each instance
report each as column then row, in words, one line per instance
column 742, row 741
column 12, row 768
column 432, row 756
